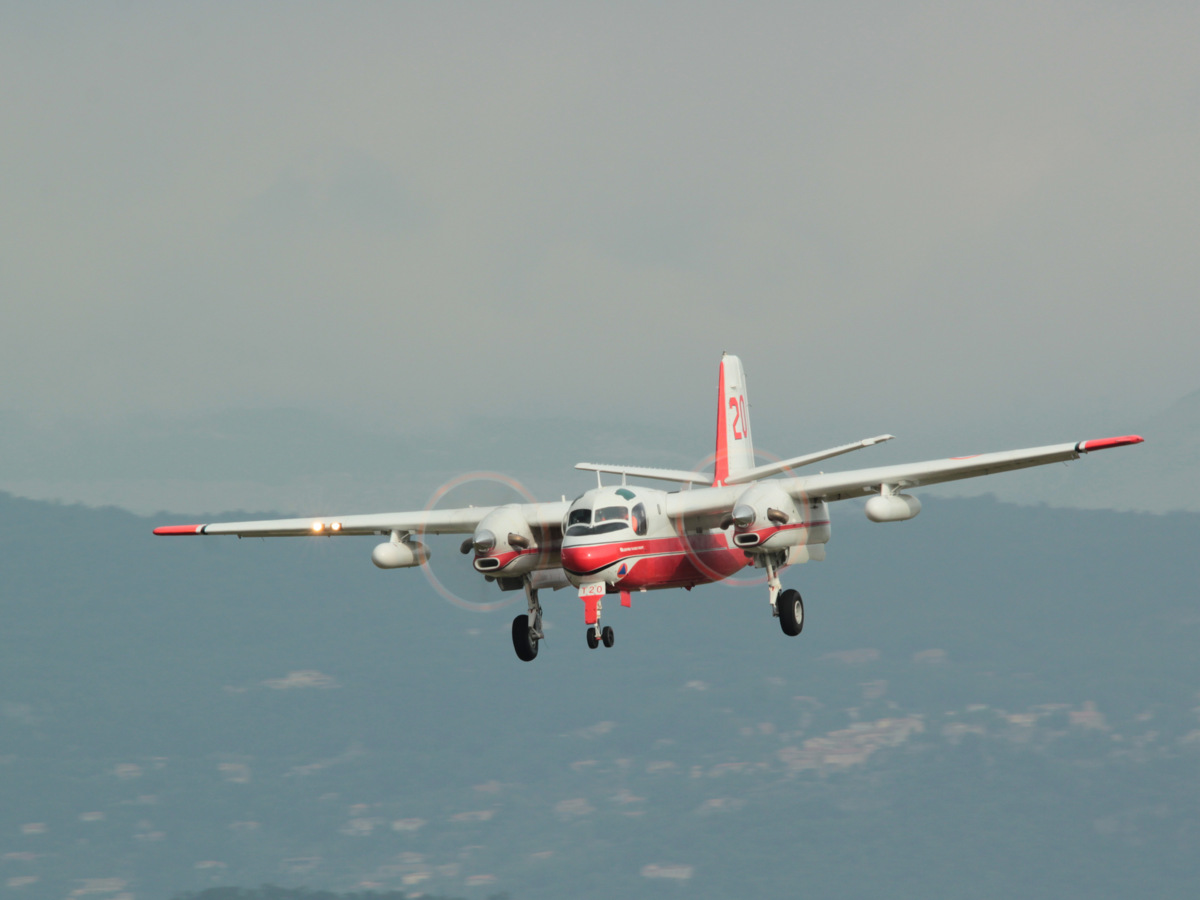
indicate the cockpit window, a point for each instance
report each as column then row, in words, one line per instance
column 639, row 520
column 606, row 519
column 606, row 527
column 611, row 513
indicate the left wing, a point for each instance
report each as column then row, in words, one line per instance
column 432, row 521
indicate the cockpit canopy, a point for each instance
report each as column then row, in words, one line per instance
column 607, row 516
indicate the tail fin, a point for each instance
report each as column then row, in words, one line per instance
column 735, row 450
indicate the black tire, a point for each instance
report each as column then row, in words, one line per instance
column 606, row 635
column 593, row 641
column 791, row 612
column 524, row 642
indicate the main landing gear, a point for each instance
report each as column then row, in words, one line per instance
column 527, row 629
column 787, row 605
column 790, row 609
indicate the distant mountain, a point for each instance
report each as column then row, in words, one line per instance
column 302, row 460
column 305, row 462
column 273, row 892
column 989, row 700
column 1162, row 476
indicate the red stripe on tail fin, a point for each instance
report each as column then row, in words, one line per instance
column 721, row 471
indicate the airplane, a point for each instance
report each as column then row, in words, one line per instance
column 618, row 539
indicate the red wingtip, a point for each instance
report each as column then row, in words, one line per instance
column 179, row 529
column 1105, row 443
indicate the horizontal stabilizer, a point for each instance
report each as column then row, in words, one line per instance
column 797, row 461
column 682, row 475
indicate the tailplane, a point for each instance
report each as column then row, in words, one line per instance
column 735, row 450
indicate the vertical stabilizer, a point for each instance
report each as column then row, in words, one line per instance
column 735, row 450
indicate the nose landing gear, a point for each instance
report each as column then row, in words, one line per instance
column 597, row 636
column 592, row 595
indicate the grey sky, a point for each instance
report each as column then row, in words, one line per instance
column 418, row 214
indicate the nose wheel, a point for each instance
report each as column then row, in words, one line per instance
column 605, row 637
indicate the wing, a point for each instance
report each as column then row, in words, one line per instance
column 857, row 483
column 705, row 508
column 431, row 521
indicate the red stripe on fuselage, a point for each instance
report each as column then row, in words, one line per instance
column 765, row 534
column 507, row 559
column 659, row 562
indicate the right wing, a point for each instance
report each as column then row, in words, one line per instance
column 431, row 521
column 860, row 482
column 707, row 507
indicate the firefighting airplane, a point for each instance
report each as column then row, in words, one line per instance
column 620, row 539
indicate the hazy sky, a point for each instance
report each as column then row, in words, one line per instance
column 423, row 213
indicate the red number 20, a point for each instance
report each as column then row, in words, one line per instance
column 738, row 405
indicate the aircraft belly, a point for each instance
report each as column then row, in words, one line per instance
column 681, row 568
column 655, row 563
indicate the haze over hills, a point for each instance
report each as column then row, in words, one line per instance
column 303, row 461
column 988, row 700
column 326, row 259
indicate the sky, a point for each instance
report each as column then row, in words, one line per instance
column 437, row 224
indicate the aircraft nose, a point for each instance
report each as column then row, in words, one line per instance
column 584, row 559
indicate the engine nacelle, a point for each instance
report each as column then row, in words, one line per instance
column 889, row 507
column 766, row 519
column 399, row 554
column 504, row 544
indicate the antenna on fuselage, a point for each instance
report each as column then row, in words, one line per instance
column 599, row 483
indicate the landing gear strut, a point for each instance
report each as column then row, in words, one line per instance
column 527, row 629
column 787, row 605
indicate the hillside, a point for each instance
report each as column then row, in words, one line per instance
column 989, row 700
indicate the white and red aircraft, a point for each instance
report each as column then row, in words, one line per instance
column 622, row 538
